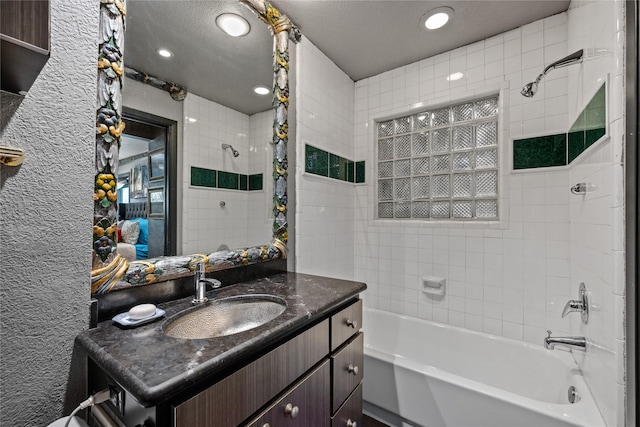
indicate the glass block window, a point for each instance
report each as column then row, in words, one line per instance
column 440, row 164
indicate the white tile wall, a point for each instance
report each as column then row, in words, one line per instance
column 260, row 203
column 324, row 210
column 206, row 225
column 514, row 277
column 505, row 278
column 597, row 225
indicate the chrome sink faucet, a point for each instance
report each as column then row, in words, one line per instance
column 201, row 284
column 576, row 343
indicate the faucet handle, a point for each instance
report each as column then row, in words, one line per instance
column 549, row 333
column 580, row 305
column 571, row 306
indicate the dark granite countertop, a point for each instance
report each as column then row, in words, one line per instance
column 154, row 367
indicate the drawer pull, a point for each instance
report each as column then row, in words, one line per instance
column 353, row 369
column 291, row 410
column 267, row 424
column 351, row 423
column 352, row 323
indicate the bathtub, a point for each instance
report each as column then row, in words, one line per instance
column 425, row 374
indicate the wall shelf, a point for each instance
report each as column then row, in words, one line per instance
column 24, row 42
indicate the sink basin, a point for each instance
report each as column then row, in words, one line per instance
column 226, row 317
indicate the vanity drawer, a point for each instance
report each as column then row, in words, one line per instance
column 350, row 414
column 346, row 370
column 306, row 405
column 345, row 324
column 233, row 399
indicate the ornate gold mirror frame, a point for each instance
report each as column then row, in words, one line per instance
column 110, row 270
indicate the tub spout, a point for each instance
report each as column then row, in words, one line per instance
column 576, row 343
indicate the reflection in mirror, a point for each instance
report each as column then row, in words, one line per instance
column 224, row 200
column 143, row 187
column 220, row 110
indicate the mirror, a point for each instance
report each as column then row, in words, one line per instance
column 224, row 194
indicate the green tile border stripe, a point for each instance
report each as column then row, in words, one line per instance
column 323, row 163
column 211, row 178
column 202, row 177
column 562, row 149
column 540, row 152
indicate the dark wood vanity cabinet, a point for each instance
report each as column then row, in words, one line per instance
column 307, row 404
column 347, row 357
column 312, row 380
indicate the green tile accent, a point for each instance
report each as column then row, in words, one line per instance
column 360, row 172
column 323, row 163
column 592, row 135
column 576, row 144
column 338, row 167
column 351, row 171
column 255, row 182
column 562, row 149
column 228, row 180
column 596, row 110
column 543, row 151
column 203, row 177
column 243, row 182
column 590, row 126
column 316, row 161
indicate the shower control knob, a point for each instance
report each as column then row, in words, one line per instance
column 352, row 323
column 291, row 411
column 353, row 369
column 351, row 423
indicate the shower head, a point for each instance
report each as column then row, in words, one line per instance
column 530, row 89
column 235, row 152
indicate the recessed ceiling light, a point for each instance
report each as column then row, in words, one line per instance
column 165, row 53
column 455, row 76
column 261, row 90
column 436, row 18
column 232, row 24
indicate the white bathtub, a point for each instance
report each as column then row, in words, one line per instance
column 420, row 373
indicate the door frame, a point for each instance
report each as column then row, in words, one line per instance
column 171, row 173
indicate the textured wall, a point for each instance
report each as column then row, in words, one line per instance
column 45, row 237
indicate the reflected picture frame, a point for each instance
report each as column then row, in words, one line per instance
column 156, row 202
column 139, row 180
column 156, row 165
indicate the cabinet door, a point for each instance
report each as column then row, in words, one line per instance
column 27, row 21
column 24, row 43
column 235, row 398
column 306, row 405
column 346, row 368
column 350, row 413
column 345, row 324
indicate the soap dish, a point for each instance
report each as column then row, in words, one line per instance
column 123, row 319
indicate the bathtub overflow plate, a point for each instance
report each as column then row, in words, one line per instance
column 573, row 395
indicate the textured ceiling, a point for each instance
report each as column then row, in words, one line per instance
column 362, row 37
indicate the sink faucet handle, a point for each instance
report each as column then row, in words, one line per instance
column 549, row 333
column 215, row 283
